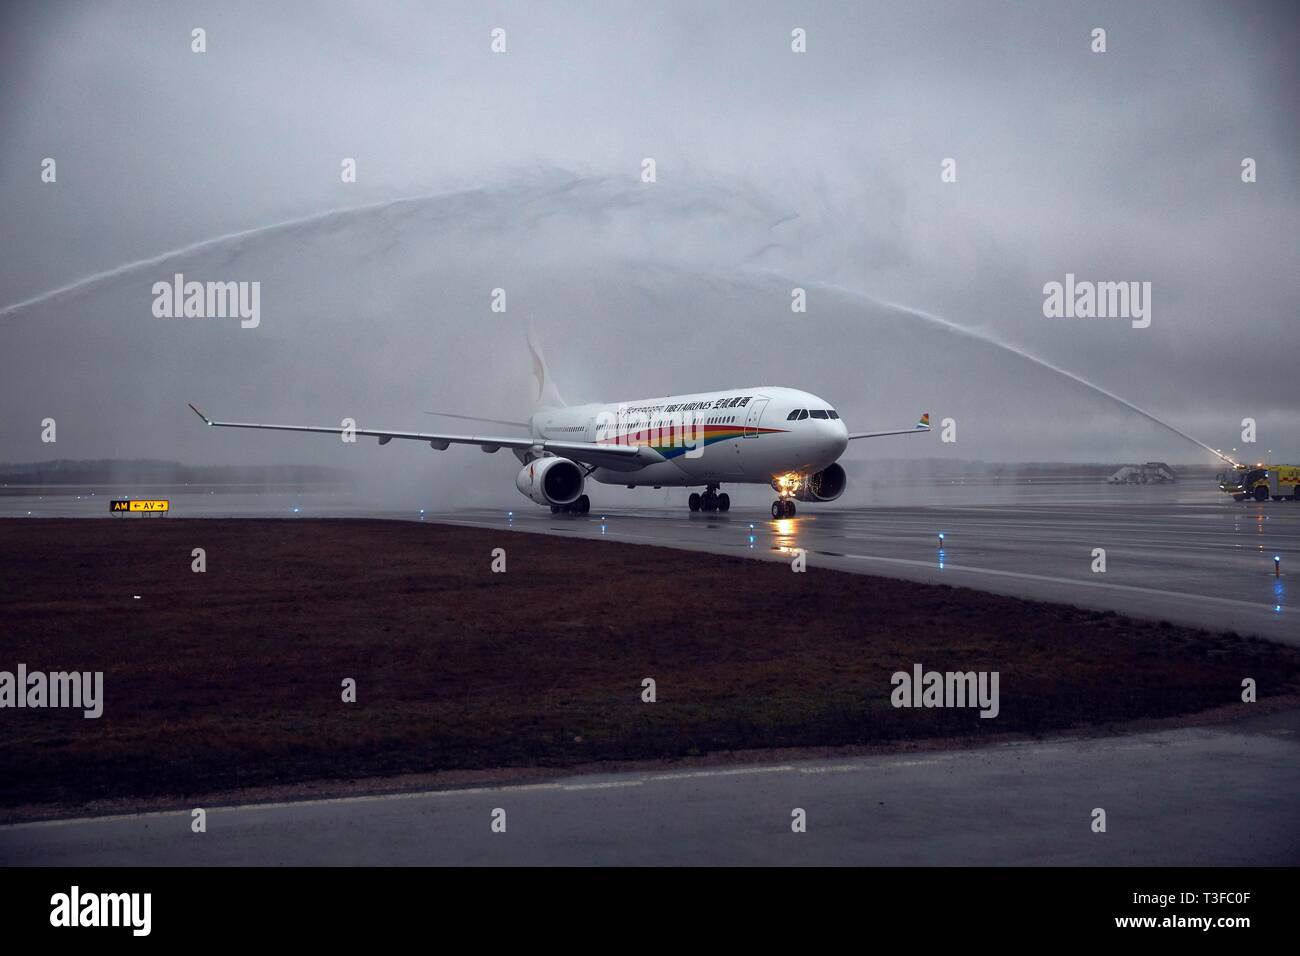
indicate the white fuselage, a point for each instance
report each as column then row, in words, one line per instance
column 741, row 435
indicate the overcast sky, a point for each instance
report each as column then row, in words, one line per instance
column 774, row 169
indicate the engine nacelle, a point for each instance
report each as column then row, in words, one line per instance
column 827, row 485
column 551, row 481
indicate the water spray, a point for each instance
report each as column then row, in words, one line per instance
column 1043, row 363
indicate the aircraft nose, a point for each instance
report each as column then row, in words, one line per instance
column 835, row 435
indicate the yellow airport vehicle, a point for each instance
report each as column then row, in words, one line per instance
column 1262, row 482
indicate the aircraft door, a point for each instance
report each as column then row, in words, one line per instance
column 755, row 414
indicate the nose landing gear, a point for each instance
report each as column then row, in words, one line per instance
column 785, row 487
column 710, row 500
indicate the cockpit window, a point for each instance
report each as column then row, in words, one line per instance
column 792, row 416
column 817, row 413
column 803, row 413
column 833, row 413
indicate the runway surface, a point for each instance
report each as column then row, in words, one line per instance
column 1204, row 796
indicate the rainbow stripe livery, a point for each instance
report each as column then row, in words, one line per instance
column 670, row 445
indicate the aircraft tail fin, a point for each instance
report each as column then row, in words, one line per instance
column 545, row 394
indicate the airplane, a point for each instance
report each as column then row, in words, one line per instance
column 771, row 435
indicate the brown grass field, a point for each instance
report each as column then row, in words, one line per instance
column 230, row 679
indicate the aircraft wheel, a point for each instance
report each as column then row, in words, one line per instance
column 693, row 502
column 709, row 502
column 789, row 508
column 778, row 509
column 582, row 505
column 724, row 502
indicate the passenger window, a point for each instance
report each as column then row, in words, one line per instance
column 817, row 413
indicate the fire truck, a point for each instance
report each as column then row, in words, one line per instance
column 1262, row 482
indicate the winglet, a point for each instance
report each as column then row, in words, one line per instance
column 199, row 413
column 924, row 423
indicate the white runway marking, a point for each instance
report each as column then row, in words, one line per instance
column 1073, row 582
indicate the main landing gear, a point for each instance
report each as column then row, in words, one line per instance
column 710, row 500
column 579, row 507
column 783, row 508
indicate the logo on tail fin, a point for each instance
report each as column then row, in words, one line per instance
column 924, row 422
column 539, row 370
column 547, row 395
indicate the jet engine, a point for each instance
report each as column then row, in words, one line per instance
column 551, row 481
column 826, row 485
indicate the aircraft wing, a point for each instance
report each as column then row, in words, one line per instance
column 613, row 456
column 922, row 425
